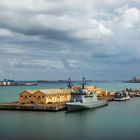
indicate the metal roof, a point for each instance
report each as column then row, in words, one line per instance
column 55, row 91
column 48, row 91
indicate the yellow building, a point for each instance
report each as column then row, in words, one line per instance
column 44, row 96
column 100, row 92
column 26, row 96
column 90, row 88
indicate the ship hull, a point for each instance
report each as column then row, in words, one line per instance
column 73, row 106
column 122, row 99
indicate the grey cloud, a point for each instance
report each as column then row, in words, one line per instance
column 69, row 37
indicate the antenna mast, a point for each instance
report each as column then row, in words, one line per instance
column 83, row 82
column 69, row 83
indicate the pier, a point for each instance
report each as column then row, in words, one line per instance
column 32, row 107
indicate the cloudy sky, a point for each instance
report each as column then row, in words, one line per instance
column 55, row 39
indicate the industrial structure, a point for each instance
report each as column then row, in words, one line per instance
column 50, row 96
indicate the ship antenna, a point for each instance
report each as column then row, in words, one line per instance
column 69, row 83
column 83, row 82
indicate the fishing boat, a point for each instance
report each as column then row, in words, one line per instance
column 82, row 99
column 122, row 95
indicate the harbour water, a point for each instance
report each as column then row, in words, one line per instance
column 117, row 121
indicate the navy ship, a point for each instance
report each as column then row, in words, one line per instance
column 82, row 99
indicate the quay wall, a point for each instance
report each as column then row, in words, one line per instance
column 32, row 107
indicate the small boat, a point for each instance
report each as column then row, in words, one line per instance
column 82, row 99
column 122, row 95
column 29, row 84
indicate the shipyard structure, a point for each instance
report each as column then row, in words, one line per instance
column 50, row 99
column 51, row 96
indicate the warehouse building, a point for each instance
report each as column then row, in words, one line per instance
column 44, row 96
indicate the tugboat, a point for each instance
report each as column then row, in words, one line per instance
column 82, row 99
column 122, row 95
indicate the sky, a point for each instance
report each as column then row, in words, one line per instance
column 55, row 39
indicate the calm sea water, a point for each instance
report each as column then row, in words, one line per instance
column 117, row 121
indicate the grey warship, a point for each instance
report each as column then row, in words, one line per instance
column 82, row 99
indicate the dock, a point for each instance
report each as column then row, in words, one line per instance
column 32, row 107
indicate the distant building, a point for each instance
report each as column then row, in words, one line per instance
column 137, row 78
column 7, row 82
column 44, row 96
column 134, row 80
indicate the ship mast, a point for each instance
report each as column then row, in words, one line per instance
column 69, row 83
column 83, row 82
